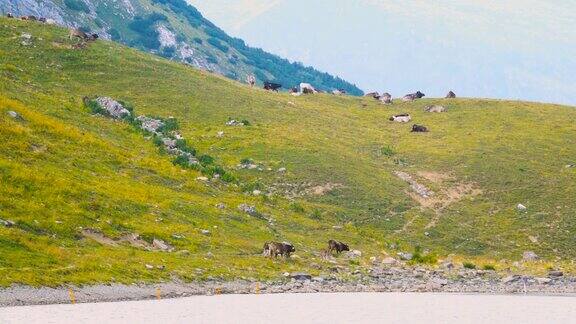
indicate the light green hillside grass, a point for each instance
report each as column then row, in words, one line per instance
column 63, row 170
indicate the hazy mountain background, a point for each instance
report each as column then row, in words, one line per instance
column 175, row 30
column 501, row 49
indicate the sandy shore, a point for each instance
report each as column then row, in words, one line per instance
column 310, row 308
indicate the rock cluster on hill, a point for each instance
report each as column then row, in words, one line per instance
column 112, row 107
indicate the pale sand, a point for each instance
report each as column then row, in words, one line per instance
column 310, row 308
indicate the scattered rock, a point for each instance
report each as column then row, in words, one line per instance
column 569, row 166
column 205, row 232
column 543, row 281
column 521, row 208
column 150, row 124
column 202, row 179
column 533, row 239
column 448, row 265
column 112, row 107
column 405, row 256
column 250, row 210
column 439, row 281
column 183, row 253
column 510, row 279
column 555, row 274
column 421, row 190
column 435, row 109
column 220, row 134
column 26, row 39
column 221, row 206
column 233, row 122
column 301, row 276
column 354, row 254
column 161, row 245
column 282, row 170
column 389, row 261
column 149, row 267
column 256, row 192
column 529, row 256
column 161, row 267
column 177, row 236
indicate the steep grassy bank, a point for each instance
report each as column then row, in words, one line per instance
column 65, row 170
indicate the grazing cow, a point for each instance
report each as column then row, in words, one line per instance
column 403, row 118
column 451, row 95
column 274, row 249
column 386, row 98
column 307, row 88
column 419, row 129
column 413, row 96
column 337, row 246
column 272, row 86
column 374, row 95
column 435, row 109
column 32, row 18
column 9, row 15
column 93, row 37
column 251, row 80
column 42, row 20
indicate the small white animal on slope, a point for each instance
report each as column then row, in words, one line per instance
column 403, row 118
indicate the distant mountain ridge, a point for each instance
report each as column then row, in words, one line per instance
column 178, row 31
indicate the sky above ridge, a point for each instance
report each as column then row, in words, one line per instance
column 515, row 49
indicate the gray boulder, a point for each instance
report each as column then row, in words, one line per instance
column 150, row 124
column 162, row 246
column 301, row 276
column 435, row 109
column 112, row 107
column 405, row 256
column 555, row 274
column 250, row 210
column 529, row 256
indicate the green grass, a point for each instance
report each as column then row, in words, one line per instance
column 63, row 169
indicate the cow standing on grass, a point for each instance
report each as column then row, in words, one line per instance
column 338, row 247
column 251, row 80
column 275, row 249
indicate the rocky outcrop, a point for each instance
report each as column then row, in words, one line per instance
column 112, row 107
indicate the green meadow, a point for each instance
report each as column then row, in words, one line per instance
column 64, row 170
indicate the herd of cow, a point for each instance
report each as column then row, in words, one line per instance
column 284, row 249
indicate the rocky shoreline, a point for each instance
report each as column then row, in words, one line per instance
column 377, row 280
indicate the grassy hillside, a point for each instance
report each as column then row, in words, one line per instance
column 64, row 170
column 177, row 31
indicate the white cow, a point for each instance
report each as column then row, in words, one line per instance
column 403, row 118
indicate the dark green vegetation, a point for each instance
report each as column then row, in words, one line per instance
column 64, row 170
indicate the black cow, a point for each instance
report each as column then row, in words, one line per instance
column 451, row 95
column 9, row 15
column 337, row 246
column 419, row 129
column 413, row 96
column 272, row 86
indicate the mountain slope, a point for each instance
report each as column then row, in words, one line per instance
column 176, row 30
column 74, row 185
